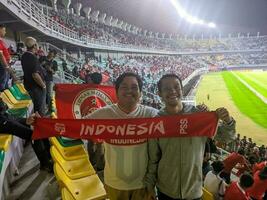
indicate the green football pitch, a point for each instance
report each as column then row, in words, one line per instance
column 244, row 94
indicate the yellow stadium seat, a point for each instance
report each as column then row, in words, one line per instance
column 22, row 88
column 87, row 188
column 69, row 153
column 66, row 195
column 207, row 195
column 10, row 104
column 74, row 169
column 53, row 115
column 14, row 100
column 5, row 141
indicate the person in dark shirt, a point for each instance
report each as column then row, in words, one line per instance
column 50, row 66
column 35, row 85
column 21, row 128
column 34, row 76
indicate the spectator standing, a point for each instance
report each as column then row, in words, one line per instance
column 231, row 161
column 35, row 84
column 34, row 76
column 125, row 165
column 175, row 164
column 50, row 66
column 5, row 69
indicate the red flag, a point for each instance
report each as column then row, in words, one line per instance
column 131, row 130
column 79, row 100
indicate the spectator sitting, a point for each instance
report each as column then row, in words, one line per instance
column 237, row 190
column 95, row 78
column 213, row 182
column 259, row 186
column 21, row 128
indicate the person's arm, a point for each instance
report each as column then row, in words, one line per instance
column 154, row 156
column 7, row 67
column 38, row 79
column 226, row 130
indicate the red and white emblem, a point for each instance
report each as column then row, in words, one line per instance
column 89, row 100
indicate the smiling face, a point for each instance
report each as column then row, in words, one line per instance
column 128, row 92
column 171, row 91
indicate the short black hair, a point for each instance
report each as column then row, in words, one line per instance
column 53, row 51
column 159, row 84
column 128, row 74
column 2, row 26
column 217, row 166
column 96, row 77
column 241, row 151
column 246, row 180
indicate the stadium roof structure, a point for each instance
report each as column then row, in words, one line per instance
column 160, row 16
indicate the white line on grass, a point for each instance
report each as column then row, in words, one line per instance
column 261, row 97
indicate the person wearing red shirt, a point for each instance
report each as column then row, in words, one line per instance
column 259, row 166
column 259, row 186
column 5, row 69
column 231, row 161
column 237, row 190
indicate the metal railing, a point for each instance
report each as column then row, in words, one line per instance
column 29, row 12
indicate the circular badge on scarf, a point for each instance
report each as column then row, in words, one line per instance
column 88, row 101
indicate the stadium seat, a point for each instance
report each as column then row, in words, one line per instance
column 14, row 100
column 53, row 115
column 10, row 104
column 2, row 159
column 5, row 141
column 207, row 195
column 66, row 195
column 20, row 86
column 17, row 94
column 68, row 142
column 74, row 169
column 69, row 153
column 19, row 113
column 87, row 188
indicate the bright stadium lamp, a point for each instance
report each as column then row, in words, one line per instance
column 211, row 25
column 189, row 18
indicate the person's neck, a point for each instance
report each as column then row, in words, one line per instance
column 127, row 108
column 31, row 51
column 172, row 110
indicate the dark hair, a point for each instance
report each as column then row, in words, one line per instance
column 128, row 74
column 53, row 51
column 241, row 151
column 159, row 84
column 217, row 166
column 2, row 26
column 263, row 173
column 252, row 160
column 96, row 77
column 246, row 180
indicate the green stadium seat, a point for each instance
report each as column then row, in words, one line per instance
column 17, row 93
column 68, row 142
column 19, row 112
column 2, row 159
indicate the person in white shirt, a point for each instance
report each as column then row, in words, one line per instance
column 126, row 159
column 213, row 182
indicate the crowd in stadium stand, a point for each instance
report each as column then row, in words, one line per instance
column 99, row 31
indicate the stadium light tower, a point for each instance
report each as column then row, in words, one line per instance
column 189, row 18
